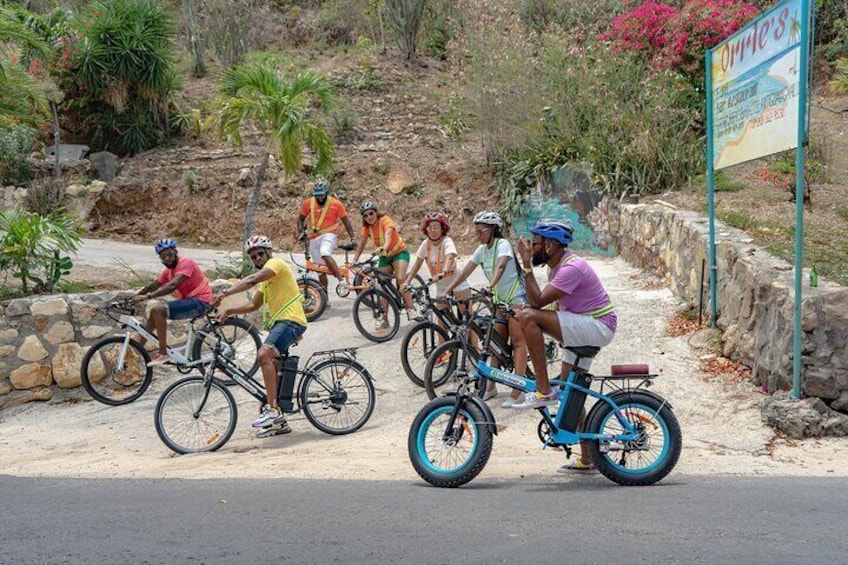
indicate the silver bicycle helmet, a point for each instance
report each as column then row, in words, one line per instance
column 488, row 218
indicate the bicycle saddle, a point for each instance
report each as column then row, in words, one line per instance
column 584, row 351
column 347, row 246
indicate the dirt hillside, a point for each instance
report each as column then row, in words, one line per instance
column 396, row 154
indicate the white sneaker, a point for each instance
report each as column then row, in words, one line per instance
column 513, row 402
column 534, row 401
column 491, row 393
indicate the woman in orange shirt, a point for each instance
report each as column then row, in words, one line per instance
column 394, row 257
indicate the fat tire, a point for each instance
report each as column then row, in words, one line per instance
column 365, row 304
column 480, row 452
column 241, row 323
column 95, row 349
column 665, row 417
column 215, row 387
column 310, row 408
column 423, row 330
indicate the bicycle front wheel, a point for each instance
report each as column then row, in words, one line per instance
column 449, row 457
column 447, row 366
column 241, row 342
column 337, row 396
column 376, row 315
column 194, row 415
column 418, row 343
column 115, row 372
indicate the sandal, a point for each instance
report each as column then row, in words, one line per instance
column 578, row 466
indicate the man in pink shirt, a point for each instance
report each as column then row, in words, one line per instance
column 185, row 279
column 584, row 315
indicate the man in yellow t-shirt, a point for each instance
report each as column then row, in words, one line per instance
column 319, row 218
column 283, row 317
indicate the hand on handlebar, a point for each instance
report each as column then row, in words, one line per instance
column 138, row 298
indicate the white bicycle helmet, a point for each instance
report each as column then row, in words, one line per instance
column 257, row 241
column 488, row 218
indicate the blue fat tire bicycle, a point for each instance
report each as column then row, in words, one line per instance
column 632, row 434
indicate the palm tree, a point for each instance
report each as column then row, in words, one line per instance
column 21, row 98
column 286, row 111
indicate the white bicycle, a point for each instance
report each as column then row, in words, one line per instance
column 114, row 370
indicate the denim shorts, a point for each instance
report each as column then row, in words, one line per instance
column 186, row 308
column 283, row 334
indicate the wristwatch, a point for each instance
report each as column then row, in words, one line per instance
column 527, row 270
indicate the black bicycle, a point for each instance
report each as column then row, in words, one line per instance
column 448, row 363
column 376, row 311
column 198, row 413
column 442, row 319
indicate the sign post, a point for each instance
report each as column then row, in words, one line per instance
column 757, row 88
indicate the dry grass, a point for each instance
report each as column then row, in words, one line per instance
column 767, row 212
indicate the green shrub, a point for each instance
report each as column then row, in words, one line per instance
column 16, row 143
column 31, row 248
column 636, row 131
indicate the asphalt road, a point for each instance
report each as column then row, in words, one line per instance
column 584, row 519
column 106, row 253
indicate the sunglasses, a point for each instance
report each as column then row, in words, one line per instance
column 256, row 254
column 369, row 214
column 165, row 255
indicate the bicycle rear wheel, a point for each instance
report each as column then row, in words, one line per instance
column 376, row 315
column 194, row 415
column 114, row 374
column 314, row 298
column 417, row 345
column 646, row 459
column 337, row 396
column 241, row 342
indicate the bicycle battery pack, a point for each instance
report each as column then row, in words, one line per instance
column 285, row 383
column 570, row 416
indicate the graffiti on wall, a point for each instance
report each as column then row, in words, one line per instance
column 568, row 194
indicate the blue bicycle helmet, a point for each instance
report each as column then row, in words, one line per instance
column 163, row 244
column 321, row 187
column 557, row 230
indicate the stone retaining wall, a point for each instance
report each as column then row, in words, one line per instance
column 44, row 338
column 755, row 298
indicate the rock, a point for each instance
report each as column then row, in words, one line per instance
column 819, row 381
column 31, row 375
column 245, row 177
column 49, row 307
column 60, row 332
column 706, row 338
column 82, row 312
column 809, row 417
column 66, row 365
column 32, row 350
column 67, row 152
column 105, row 165
column 93, row 332
column 5, row 387
column 841, row 403
column 8, row 335
column 23, row 396
column 96, row 368
column 6, row 350
column 399, row 180
column 17, row 307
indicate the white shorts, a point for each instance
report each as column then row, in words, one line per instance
column 322, row 245
column 581, row 330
